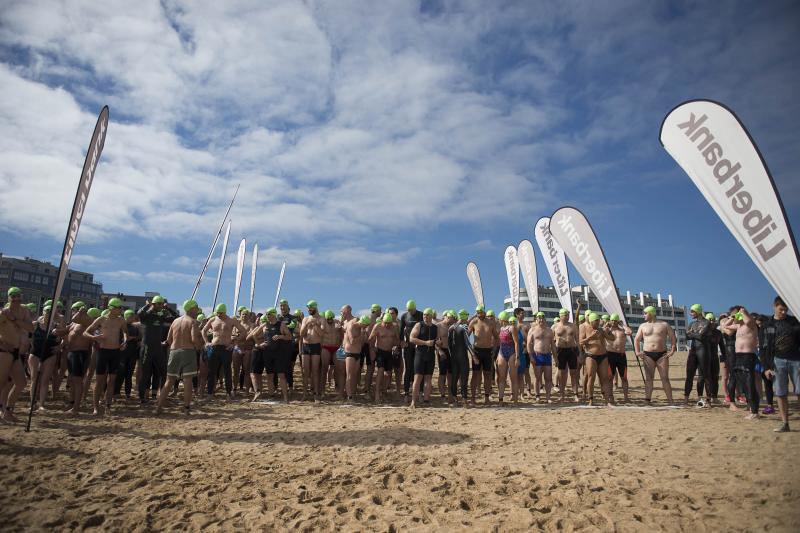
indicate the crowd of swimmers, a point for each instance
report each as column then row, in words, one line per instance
column 383, row 356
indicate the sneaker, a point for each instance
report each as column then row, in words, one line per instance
column 783, row 428
column 701, row 403
column 751, row 416
column 769, row 410
column 741, row 400
column 727, row 399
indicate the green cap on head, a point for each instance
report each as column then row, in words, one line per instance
column 284, row 301
column 188, row 305
column 593, row 317
column 562, row 312
column 463, row 313
column 697, row 308
column 480, row 309
column 388, row 318
column 48, row 302
column 94, row 312
column 272, row 311
column 14, row 291
column 739, row 316
column 221, row 308
column 329, row 314
column 157, row 299
column 614, row 317
column 540, row 314
column 297, row 312
column 365, row 320
column 31, row 307
column 47, row 308
column 115, row 302
column 512, row 319
column 709, row 316
column 503, row 315
column 411, row 305
column 375, row 308
column 605, row 318
column 292, row 324
column 489, row 313
column 263, row 319
column 201, row 317
column 105, row 312
column 312, row 304
column 650, row 310
column 587, row 312
column 428, row 311
column 581, row 318
column 555, row 320
column 128, row 313
column 77, row 305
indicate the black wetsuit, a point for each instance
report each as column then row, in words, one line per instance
column 716, row 352
column 743, row 376
column 127, row 362
column 425, row 356
column 292, row 350
column 459, row 345
column 699, row 359
column 407, row 322
column 153, row 356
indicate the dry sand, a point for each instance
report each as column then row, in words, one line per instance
column 245, row 466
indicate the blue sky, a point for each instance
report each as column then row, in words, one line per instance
column 382, row 145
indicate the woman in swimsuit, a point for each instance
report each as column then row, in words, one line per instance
column 507, row 358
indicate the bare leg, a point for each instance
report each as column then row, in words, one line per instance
column 415, row 390
column 562, row 382
column 45, row 374
column 76, row 390
column 305, row 365
column 270, row 384
column 99, row 391
column 649, row 374
column 187, row 393
column 255, row 379
column 352, row 369
column 502, row 373
column 548, row 382
column 315, row 378
column 426, row 394
column 284, row 385
column 537, row 374
column 164, row 392
column 663, row 372
column 109, row 392
column 513, row 364
column 379, row 385
column 325, row 363
column 237, row 367
column 202, row 377
column 341, row 378
column 18, row 379
column 603, row 372
column 591, row 372
column 33, row 368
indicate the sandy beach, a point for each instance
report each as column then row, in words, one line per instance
column 243, row 466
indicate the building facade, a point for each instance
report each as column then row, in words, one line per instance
column 37, row 280
column 632, row 306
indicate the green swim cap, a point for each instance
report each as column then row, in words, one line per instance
column 562, row 312
column 14, row 291
column 201, row 317
column 284, row 301
column 292, row 324
column 581, row 318
column 540, row 314
column 312, row 304
column 697, row 308
column 77, row 305
column 105, row 312
column 614, row 316
column 587, row 312
column 463, row 312
column 374, row 307
column 605, row 318
column 428, row 311
column 555, row 320
column 512, row 319
column 128, row 313
column 188, row 305
column 157, row 299
column 272, row 311
column 489, row 313
column 411, row 305
column 31, row 307
column 263, row 319
column 739, row 316
column 503, row 315
column 221, row 308
column 47, row 308
column 48, row 302
column 94, row 312
column 650, row 310
column 480, row 309
column 365, row 320
column 388, row 318
column 593, row 317
column 115, row 302
column 297, row 312
column 329, row 314
column 709, row 316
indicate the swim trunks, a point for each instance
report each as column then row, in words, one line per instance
column 484, row 356
column 77, row 362
column 330, row 349
column 312, row 349
column 182, row 362
column 257, row 362
column 619, row 363
column 542, row 359
column 655, row 356
column 567, row 357
column 107, row 361
column 424, row 362
column 598, row 358
column 383, row 359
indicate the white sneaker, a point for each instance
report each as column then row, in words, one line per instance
column 701, row 403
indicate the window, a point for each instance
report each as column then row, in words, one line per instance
column 21, row 276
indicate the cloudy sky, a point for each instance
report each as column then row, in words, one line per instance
column 382, row 145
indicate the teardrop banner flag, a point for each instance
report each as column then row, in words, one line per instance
column 556, row 263
column 96, row 145
column 253, row 275
column 239, row 271
column 512, row 273
column 280, row 284
column 573, row 232
column 712, row 145
column 474, row 278
column 221, row 265
column 527, row 263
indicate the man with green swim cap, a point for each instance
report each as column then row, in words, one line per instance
column 443, row 355
column 486, row 337
column 424, row 336
column 111, row 328
column 541, row 345
column 355, row 336
column 617, row 359
column 271, row 354
column 460, row 349
column 154, row 321
column 221, row 348
column 16, row 322
column 368, row 351
column 593, row 339
column 408, row 320
column 384, row 337
column 310, row 335
column 79, row 358
column 568, row 356
column 185, row 341
column 654, row 334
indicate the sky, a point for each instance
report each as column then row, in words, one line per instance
column 380, row 146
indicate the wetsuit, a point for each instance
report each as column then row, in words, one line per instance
column 153, row 357
column 716, row 353
column 699, row 359
column 291, row 348
column 425, row 356
column 407, row 322
column 127, row 362
column 459, row 345
column 43, row 341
